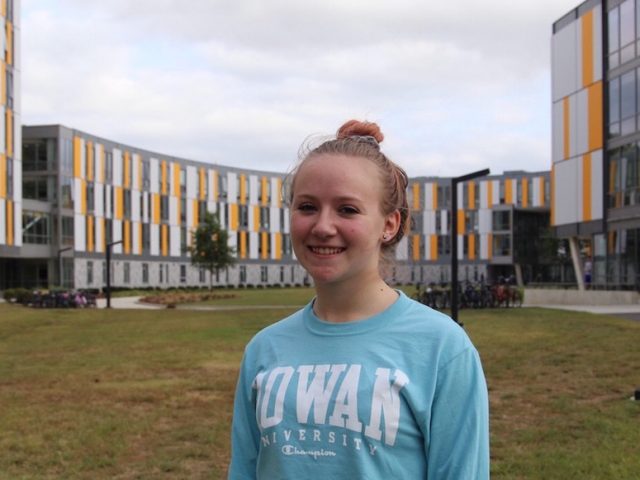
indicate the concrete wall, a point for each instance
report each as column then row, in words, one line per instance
column 535, row 296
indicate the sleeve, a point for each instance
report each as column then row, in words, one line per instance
column 245, row 435
column 459, row 440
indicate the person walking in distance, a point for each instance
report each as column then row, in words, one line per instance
column 363, row 382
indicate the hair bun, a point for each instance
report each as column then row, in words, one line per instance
column 358, row 128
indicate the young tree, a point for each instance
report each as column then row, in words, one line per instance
column 210, row 248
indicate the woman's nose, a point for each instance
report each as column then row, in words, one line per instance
column 324, row 225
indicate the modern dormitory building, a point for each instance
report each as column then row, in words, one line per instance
column 595, row 137
column 82, row 192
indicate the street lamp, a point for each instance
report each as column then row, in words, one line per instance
column 60, row 263
column 108, row 255
column 454, row 237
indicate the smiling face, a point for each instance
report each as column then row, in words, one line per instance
column 337, row 224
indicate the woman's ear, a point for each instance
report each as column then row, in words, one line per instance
column 391, row 226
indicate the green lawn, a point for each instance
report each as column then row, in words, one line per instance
column 147, row 394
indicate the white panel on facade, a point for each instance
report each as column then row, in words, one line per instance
column 193, row 182
column 495, row 193
column 79, row 233
column 108, row 201
column 254, row 241
column 564, row 49
column 77, row 191
column 579, row 162
column 212, row 207
column 98, row 199
column 173, row 210
column 429, row 222
column 154, row 175
column 535, row 193
column 154, row 239
column 274, row 219
column 287, row 221
column 484, row 221
column 189, row 213
column 276, row 194
column 565, row 192
column 597, row 169
column 83, row 158
column 17, row 223
column 557, row 131
column 597, row 43
column 402, row 249
column 135, row 237
column 484, row 246
column 233, row 241
column 145, row 206
column 174, row 243
column 135, row 172
column 460, row 247
column 223, row 214
column 99, row 239
column 116, row 234
column 98, row 173
column 135, row 206
column 444, row 226
column 172, row 175
column 428, row 196
column 581, row 126
column 17, row 179
column 251, row 216
column 232, row 187
column 3, row 38
column 117, row 167
column 211, row 184
column 17, row 141
column 573, row 122
column 17, row 82
column 483, row 195
column 514, row 190
column 3, row 227
column 253, row 190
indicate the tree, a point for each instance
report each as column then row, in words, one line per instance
column 210, row 247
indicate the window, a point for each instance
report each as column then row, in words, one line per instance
column 164, row 208
column 35, row 228
column 90, row 197
column 201, row 274
column 67, row 230
column 145, row 273
column 126, row 195
column 183, row 274
column 243, row 274
column 108, row 166
column 501, row 220
column 146, row 238
column 264, row 274
column 160, row 274
column 183, row 240
column 286, row 244
column 145, row 175
column 37, row 188
column 281, row 274
column 244, row 216
column 183, row 211
column 501, row 245
column 104, row 272
column 622, row 21
column 444, row 245
column 38, row 155
column 127, row 273
column 264, row 218
column 89, row 272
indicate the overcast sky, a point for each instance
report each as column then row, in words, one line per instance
column 456, row 86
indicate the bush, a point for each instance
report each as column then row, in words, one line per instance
column 18, row 295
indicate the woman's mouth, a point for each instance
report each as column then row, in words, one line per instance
column 327, row 250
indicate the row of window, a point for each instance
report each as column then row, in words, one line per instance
column 624, row 176
column 624, row 32
column 624, row 104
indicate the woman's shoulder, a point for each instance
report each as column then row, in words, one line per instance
column 282, row 329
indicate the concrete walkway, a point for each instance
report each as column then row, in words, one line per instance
column 128, row 302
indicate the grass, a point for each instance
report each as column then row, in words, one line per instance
column 146, row 394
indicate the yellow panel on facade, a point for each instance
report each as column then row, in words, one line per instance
column 278, row 194
column 89, row 159
column 77, row 157
column 203, row 184
column 433, row 247
column 278, row 245
column 435, row 195
column 3, row 8
column 472, row 195
column 176, row 180
column 138, row 226
column 489, row 245
column 140, row 173
column 215, row 184
column 178, row 212
column 127, row 237
column 525, row 192
column 472, row 246
column 256, row 218
column 9, row 43
column 508, row 191
column 83, row 197
column 9, row 222
column 233, row 216
column 566, row 125
column 243, row 244
column 595, row 116
column 264, row 244
column 489, row 194
column 156, row 208
column 541, row 192
column 101, row 173
column 586, row 187
column 243, row 189
column 118, row 202
column 196, row 213
column 460, row 218
column 90, row 231
column 587, row 48
column 103, row 238
column 415, row 244
column 416, row 196
column 264, row 185
column 127, row 170
column 164, row 240
column 163, row 177
column 3, row 82
column 3, row 176
column 9, row 132
column 553, row 203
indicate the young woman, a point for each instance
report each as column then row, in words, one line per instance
column 363, row 382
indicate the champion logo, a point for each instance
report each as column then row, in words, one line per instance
column 289, row 450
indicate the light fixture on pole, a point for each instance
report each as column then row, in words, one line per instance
column 108, row 255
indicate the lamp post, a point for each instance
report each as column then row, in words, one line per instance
column 108, row 255
column 454, row 237
column 60, row 263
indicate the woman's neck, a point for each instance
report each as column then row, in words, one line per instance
column 346, row 303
